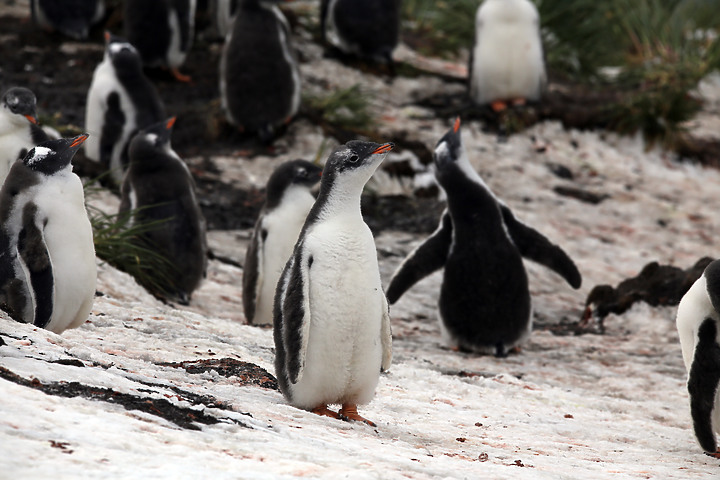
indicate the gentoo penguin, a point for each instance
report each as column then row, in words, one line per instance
column 506, row 62
column 331, row 319
column 19, row 130
column 698, row 324
column 162, row 31
column 223, row 12
column 47, row 256
column 287, row 202
column 364, row 28
column 158, row 187
column 70, row 17
column 259, row 76
column 121, row 101
column 484, row 303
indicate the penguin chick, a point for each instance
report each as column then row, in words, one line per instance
column 162, row 31
column 288, row 201
column 158, row 187
column 506, row 62
column 121, row 101
column 72, row 18
column 19, row 130
column 484, row 303
column 364, row 28
column 259, row 76
column 332, row 325
column 47, row 256
column 698, row 325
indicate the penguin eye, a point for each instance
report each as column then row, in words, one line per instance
column 353, row 158
column 301, row 173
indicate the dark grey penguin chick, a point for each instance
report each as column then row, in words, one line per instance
column 484, row 303
column 158, row 187
column 259, row 76
column 162, row 31
column 70, row 17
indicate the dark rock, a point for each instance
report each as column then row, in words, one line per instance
column 580, row 194
column 246, row 373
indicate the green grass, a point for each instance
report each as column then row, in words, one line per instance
column 347, row 108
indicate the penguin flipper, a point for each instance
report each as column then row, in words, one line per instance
column 535, row 246
column 386, row 337
column 428, row 257
column 38, row 265
column 253, row 271
column 112, row 129
column 703, row 383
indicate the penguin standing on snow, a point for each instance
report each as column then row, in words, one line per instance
column 160, row 185
column 484, row 303
column 288, row 201
column 162, row 31
column 70, row 17
column 506, row 62
column 47, row 256
column 364, row 28
column 331, row 319
column 698, row 325
column 259, row 76
column 19, row 130
column 121, row 100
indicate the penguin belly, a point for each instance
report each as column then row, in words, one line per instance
column 344, row 352
column 695, row 304
column 484, row 303
column 69, row 240
column 12, row 143
column 508, row 63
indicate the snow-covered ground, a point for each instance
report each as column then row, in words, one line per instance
column 566, row 407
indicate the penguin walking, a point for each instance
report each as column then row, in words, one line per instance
column 121, row 100
column 331, row 319
column 162, row 31
column 363, row 28
column 288, row 201
column 19, row 129
column 259, row 75
column 506, row 62
column 47, row 255
column 158, row 187
column 484, row 303
column 70, row 17
column 698, row 325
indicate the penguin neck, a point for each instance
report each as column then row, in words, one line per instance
column 341, row 197
column 469, row 198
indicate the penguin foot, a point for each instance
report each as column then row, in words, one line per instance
column 519, row 102
column 714, row 455
column 324, row 411
column 498, row 106
column 349, row 412
column 180, row 77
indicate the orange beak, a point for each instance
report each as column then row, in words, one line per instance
column 107, row 36
column 170, row 123
column 32, row 119
column 456, row 126
column 384, row 148
column 79, row 140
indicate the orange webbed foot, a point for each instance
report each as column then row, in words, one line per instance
column 714, row 455
column 349, row 412
column 498, row 106
column 324, row 411
column 180, row 77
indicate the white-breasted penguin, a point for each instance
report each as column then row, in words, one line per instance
column 19, row 130
column 288, row 200
column 47, row 255
column 121, row 101
column 223, row 12
column 259, row 75
column 698, row 325
column 364, row 28
column 70, row 17
column 162, row 31
column 159, row 187
column 331, row 319
column 506, row 61
column 484, row 303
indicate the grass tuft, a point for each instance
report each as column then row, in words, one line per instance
column 347, row 108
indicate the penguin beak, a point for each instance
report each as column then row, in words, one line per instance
column 456, row 126
column 77, row 141
column 383, row 148
column 170, row 123
column 107, row 36
column 32, row 119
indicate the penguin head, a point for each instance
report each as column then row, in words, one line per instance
column 53, row 156
column 121, row 53
column 450, row 156
column 148, row 142
column 296, row 173
column 356, row 155
column 21, row 102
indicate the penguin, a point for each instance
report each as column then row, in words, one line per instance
column 162, row 31
column 288, row 201
column 698, row 325
column 331, row 319
column 484, row 304
column 364, row 28
column 223, row 12
column 506, row 62
column 47, row 255
column 259, row 75
column 158, row 187
column 121, row 100
column 19, row 129
column 72, row 18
